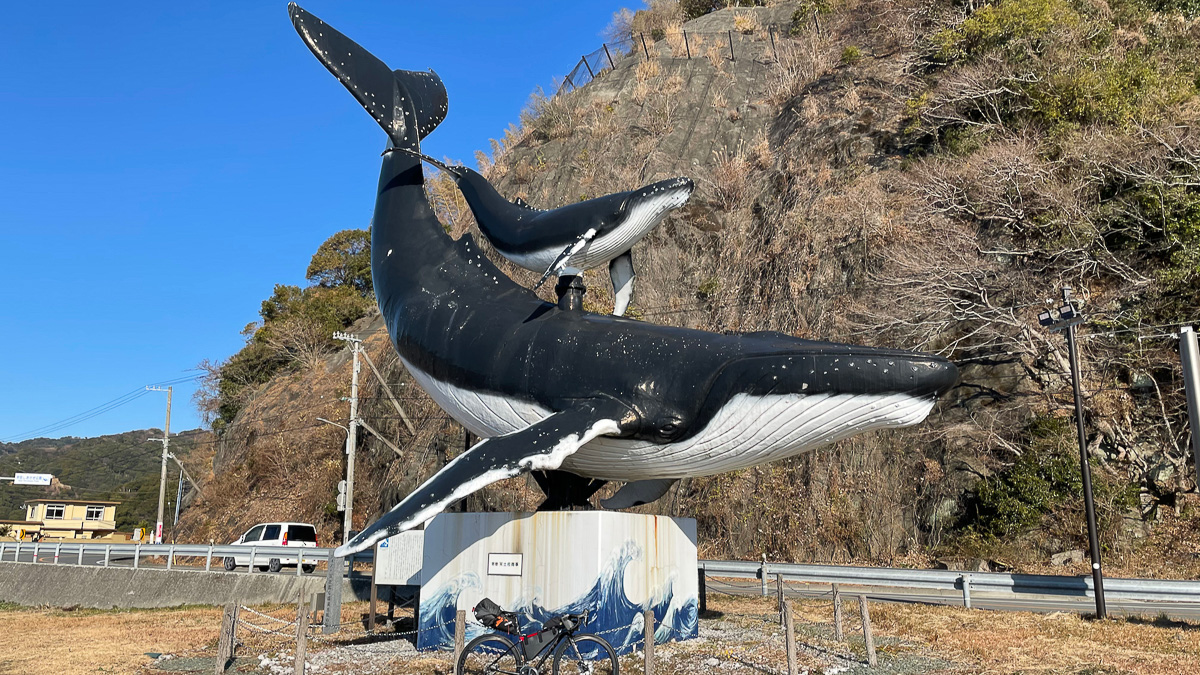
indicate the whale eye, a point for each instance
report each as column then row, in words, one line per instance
column 669, row 428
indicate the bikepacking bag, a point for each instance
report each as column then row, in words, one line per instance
column 536, row 642
column 490, row 615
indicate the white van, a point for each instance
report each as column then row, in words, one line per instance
column 274, row 534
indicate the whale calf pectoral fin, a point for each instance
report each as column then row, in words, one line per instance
column 620, row 269
column 538, row 447
column 563, row 258
column 638, row 493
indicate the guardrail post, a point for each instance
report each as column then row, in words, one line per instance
column 137, row 555
column 299, row 562
column 837, row 614
column 171, row 556
column 460, row 632
column 762, row 574
column 17, row 553
column 789, row 632
column 57, row 548
column 107, row 553
column 79, row 558
column 966, row 589
column 867, row 636
column 253, row 553
column 208, row 560
column 702, row 591
column 37, row 549
column 2, row 547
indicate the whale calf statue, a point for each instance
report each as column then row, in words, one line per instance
column 594, row 396
column 574, row 237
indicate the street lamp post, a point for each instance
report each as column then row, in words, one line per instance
column 1068, row 319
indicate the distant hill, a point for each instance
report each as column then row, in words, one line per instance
column 118, row 467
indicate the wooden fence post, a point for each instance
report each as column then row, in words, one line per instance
column 867, row 637
column 790, row 636
column 837, row 614
column 779, row 592
column 371, row 608
column 460, row 632
column 648, row 640
column 228, row 639
column 301, row 633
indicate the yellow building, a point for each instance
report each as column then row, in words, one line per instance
column 70, row 518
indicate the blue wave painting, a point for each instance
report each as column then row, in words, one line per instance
column 611, row 614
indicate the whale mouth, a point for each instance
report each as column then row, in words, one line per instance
column 652, row 202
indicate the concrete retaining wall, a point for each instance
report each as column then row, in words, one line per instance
column 106, row 588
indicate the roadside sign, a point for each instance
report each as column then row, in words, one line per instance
column 398, row 559
column 32, row 479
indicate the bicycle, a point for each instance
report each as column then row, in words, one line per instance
column 574, row 653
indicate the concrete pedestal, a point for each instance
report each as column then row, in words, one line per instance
column 616, row 565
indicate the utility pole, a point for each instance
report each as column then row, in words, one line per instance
column 351, row 433
column 1189, row 356
column 1068, row 319
column 162, row 481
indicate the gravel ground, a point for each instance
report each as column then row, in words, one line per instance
column 728, row 643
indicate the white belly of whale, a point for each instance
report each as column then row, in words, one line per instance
column 748, row 430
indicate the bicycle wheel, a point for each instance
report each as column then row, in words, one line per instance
column 491, row 654
column 585, row 654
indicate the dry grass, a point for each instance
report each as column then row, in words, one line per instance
column 117, row 641
column 648, row 70
column 714, row 56
column 746, row 23
column 1007, row 642
column 730, row 174
column 109, row 642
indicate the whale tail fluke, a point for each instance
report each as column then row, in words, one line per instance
column 407, row 104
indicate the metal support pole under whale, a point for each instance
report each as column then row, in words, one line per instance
column 596, row 395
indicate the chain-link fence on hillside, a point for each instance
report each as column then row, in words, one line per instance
column 752, row 42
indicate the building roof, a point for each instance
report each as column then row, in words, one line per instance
column 71, row 501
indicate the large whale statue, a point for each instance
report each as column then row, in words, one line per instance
column 570, row 238
column 594, row 396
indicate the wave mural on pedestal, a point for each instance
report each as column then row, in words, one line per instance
column 611, row 614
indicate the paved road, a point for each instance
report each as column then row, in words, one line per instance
column 1012, row 603
column 46, row 555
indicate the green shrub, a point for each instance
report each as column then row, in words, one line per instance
column 997, row 25
column 1043, row 488
column 851, row 55
column 1120, row 90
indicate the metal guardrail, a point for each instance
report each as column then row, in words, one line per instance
column 948, row 581
column 1150, row 590
column 74, row 553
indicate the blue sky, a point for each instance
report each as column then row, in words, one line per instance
column 164, row 164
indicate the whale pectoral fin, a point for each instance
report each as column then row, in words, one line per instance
column 638, row 493
column 563, row 258
column 622, row 274
column 538, row 447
